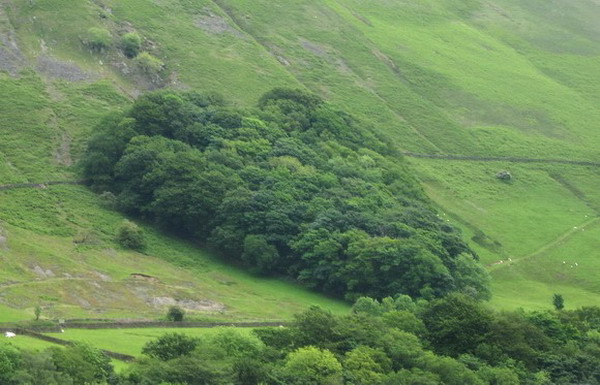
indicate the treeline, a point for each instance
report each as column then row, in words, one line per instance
column 454, row 340
column 290, row 187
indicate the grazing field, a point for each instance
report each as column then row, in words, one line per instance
column 27, row 343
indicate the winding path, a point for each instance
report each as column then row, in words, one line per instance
column 563, row 237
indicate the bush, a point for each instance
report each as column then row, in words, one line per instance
column 98, row 39
column 130, row 44
column 150, row 65
column 131, row 236
column 175, row 314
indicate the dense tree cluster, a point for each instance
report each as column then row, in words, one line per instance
column 80, row 364
column 291, row 187
column 454, row 340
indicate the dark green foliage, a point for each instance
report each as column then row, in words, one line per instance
column 558, row 301
column 293, row 187
column 456, row 324
column 249, row 371
column 175, row 313
column 83, row 363
column 39, row 369
column 9, row 361
column 131, row 236
column 512, row 348
column 259, row 253
column 413, row 377
column 170, row 346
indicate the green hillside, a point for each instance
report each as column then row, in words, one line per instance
column 503, row 78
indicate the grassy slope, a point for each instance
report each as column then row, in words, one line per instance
column 45, row 227
column 468, row 78
column 453, row 76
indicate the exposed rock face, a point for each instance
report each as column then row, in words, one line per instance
column 187, row 304
column 215, row 24
column 58, row 69
column 11, row 57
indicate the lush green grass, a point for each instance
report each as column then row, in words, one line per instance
column 130, row 341
column 26, row 343
column 508, row 78
column 93, row 278
column 541, row 212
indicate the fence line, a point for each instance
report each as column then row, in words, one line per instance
column 166, row 324
column 500, row 159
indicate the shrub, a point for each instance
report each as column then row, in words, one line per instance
column 98, row 39
column 131, row 236
column 108, row 200
column 150, row 65
column 175, row 314
column 130, row 44
column 558, row 301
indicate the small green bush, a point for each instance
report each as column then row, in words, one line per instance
column 131, row 236
column 98, row 39
column 149, row 64
column 130, row 44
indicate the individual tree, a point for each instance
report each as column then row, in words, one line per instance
column 361, row 366
column 406, row 321
column 175, row 314
column 456, row 324
column 37, row 311
column 170, row 346
column 259, row 253
column 558, row 301
column 312, row 366
column 249, row 371
column 316, row 327
column 84, row 363
column 367, row 305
